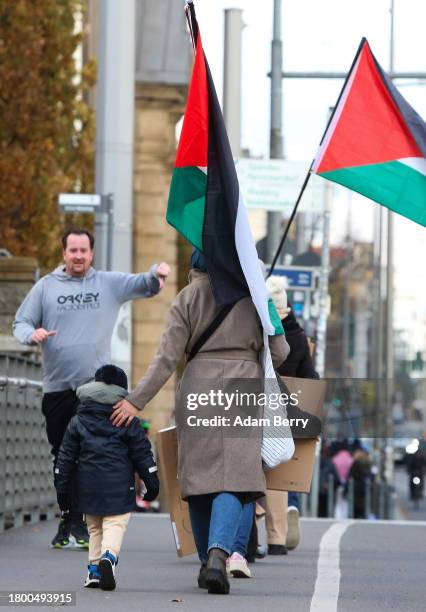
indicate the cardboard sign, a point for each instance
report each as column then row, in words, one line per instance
column 179, row 512
column 296, row 474
column 310, row 392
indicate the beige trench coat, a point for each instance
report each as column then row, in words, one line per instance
column 212, row 461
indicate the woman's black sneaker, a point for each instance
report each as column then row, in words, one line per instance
column 62, row 538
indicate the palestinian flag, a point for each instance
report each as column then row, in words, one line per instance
column 205, row 203
column 375, row 142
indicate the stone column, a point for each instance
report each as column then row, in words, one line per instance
column 17, row 276
column 157, row 110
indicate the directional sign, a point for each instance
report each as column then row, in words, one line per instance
column 302, row 279
column 274, row 184
column 80, row 202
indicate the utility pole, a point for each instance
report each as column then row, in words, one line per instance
column 114, row 151
column 321, row 336
column 276, row 148
column 389, row 357
column 232, row 78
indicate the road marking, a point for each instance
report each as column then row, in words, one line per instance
column 327, row 585
column 143, row 515
column 405, row 523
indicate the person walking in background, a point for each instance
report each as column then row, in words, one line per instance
column 218, row 473
column 282, row 508
column 342, row 459
column 328, row 476
column 71, row 313
column 361, row 475
column 105, row 459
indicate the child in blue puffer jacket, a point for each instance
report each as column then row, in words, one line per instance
column 106, row 459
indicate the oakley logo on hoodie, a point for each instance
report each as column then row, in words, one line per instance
column 78, row 301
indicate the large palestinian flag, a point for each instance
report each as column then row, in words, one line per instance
column 205, row 204
column 375, row 142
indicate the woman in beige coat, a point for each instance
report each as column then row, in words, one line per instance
column 218, row 471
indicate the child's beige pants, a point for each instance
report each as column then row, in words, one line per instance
column 106, row 533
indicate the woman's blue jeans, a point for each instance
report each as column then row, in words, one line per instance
column 215, row 519
column 244, row 529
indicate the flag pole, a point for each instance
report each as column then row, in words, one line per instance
column 192, row 22
column 289, row 222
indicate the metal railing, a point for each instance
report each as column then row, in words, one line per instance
column 26, row 483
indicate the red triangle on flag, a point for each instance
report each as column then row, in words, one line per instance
column 367, row 126
column 193, row 142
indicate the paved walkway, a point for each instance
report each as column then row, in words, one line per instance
column 350, row 567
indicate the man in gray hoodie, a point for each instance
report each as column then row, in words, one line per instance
column 71, row 313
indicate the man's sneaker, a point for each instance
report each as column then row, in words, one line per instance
column 293, row 532
column 277, row 549
column 93, row 577
column 261, row 551
column 80, row 534
column 107, row 570
column 236, row 565
column 62, row 538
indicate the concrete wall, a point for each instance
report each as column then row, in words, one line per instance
column 17, row 276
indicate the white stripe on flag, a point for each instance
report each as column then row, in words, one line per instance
column 250, row 265
column 336, row 116
column 416, row 163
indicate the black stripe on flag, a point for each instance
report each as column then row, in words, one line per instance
column 223, row 265
column 414, row 122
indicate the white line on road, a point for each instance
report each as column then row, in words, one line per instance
column 327, row 585
column 401, row 522
column 150, row 515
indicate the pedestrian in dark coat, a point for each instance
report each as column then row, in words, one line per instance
column 299, row 361
column 106, row 459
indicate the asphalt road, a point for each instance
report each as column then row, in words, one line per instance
column 379, row 566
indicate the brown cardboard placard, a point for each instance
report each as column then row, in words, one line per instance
column 179, row 511
column 296, row 474
column 310, row 393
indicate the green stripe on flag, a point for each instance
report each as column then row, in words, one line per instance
column 275, row 319
column 393, row 184
column 185, row 210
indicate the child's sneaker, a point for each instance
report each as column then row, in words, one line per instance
column 107, row 571
column 93, row 577
column 237, row 566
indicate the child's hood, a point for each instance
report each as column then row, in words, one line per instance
column 100, row 393
column 97, row 400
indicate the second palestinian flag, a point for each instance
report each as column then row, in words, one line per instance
column 375, row 142
column 205, row 204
